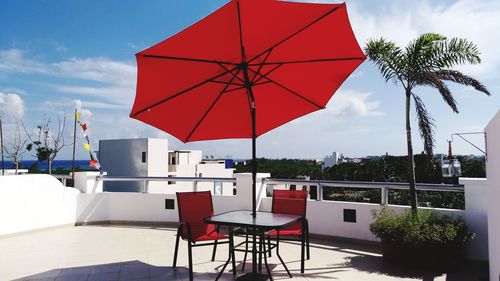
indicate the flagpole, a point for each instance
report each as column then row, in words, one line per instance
column 74, row 144
column 1, row 145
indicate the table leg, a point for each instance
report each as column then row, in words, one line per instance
column 265, row 256
column 246, row 251
column 231, row 249
column 260, row 253
column 230, row 257
column 278, row 253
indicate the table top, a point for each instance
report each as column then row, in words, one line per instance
column 263, row 220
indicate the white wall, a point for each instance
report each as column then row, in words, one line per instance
column 123, row 157
column 476, row 216
column 493, row 175
column 29, row 202
column 327, row 218
column 157, row 157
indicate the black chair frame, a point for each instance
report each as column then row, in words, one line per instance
column 192, row 244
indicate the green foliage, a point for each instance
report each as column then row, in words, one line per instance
column 427, row 227
column 472, row 167
column 284, row 168
column 387, row 169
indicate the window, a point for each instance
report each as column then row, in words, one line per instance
column 218, row 188
column 143, row 157
column 173, row 160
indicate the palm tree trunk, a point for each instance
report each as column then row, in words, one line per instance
column 17, row 166
column 49, row 161
column 411, row 163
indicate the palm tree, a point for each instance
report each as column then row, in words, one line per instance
column 426, row 61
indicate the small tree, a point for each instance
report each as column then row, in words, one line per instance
column 46, row 144
column 14, row 150
column 425, row 61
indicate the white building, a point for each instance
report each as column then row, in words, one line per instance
column 332, row 160
column 151, row 158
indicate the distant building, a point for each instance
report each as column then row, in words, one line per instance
column 151, row 158
column 332, row 160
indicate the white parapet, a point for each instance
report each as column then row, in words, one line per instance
column 87, row 182
column 29, row 202
column 476, row 216
column 244, row 189
column 493, row 175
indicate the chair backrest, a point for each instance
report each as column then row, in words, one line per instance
column 193, row 208
column 292, row 202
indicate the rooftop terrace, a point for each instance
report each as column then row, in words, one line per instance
column 113, row 252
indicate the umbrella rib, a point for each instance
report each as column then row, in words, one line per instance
column 228, row 83
column 262, row 76
column 308, row 61
column 180, row 93
column 261, row 64
column 235, row 75
column 210, row 108
column 187, row 59
column 234, row 89
column 296, row 32
column 292, row 92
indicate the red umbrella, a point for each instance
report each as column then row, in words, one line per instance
column 246, row 69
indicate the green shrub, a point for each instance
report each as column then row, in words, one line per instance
column 426, row 228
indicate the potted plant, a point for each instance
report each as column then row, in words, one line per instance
column 427, row 239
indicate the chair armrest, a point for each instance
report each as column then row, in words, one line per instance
column 185, row 224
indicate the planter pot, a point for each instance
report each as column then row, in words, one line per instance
column 429, row 256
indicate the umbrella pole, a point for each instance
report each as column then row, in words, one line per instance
column 254, row 164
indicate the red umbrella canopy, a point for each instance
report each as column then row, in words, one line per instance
column 295, row 56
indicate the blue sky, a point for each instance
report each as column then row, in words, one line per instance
column 55, row 55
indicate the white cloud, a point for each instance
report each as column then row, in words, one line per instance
column 402, row 21
column 11, row 106
column 351, row 103
column 98, row 69
column 113, row 81
column 14, row 60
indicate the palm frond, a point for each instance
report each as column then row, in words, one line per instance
column 388, row 57
column 430, row 79
column 420, row 51
column 460, row 78
column 425, row 124
column 453, row 52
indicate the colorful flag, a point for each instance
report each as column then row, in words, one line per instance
column 86, row 146
column 78, row 115
column 84, row 127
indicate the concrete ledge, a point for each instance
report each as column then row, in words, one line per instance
column 130, row 223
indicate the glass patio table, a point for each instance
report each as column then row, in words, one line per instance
column 260, row 224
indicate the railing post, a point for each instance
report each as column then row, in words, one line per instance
column 319, row 191
column 384, row 196
column 64, row 181
column 195, row 185
column 146, row 186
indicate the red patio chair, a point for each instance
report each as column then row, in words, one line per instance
column 193, row 208
column 292, row 202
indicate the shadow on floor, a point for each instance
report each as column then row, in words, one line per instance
column 130, row 270
column 376, row 264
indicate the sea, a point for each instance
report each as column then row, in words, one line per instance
column 43, row 165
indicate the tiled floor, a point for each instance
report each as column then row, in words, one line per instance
column 140, row 253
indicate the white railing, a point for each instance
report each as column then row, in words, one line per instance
column 383, row 186
column 62, row 178
column 146, row 180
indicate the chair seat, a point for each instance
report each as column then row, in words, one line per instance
column 285, row 232
column 209, row 237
